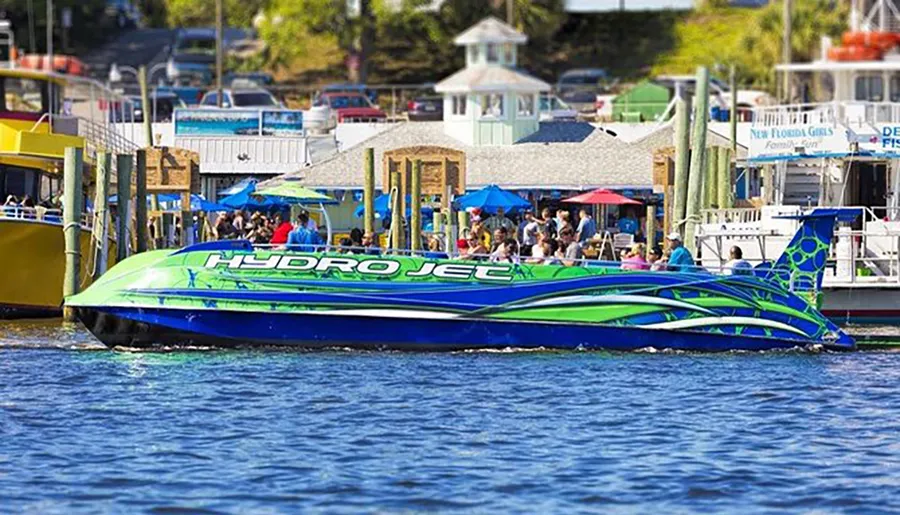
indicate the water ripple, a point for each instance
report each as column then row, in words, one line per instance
column 360, row 432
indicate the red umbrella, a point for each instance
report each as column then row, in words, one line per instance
column 601, row 196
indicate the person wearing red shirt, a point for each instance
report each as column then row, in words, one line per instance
column 282, row 229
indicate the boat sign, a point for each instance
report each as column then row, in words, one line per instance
column 365, row 267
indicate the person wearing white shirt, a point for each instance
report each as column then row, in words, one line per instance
column 737, row 265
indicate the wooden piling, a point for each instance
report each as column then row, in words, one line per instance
column 396, row 222
column 462, row 221
column 732, row 118
column 710, row 180
column 124, row 164
column 695, row 178
column 72, row 192
column 140, row 201
column 369, row 192
column 726, row 196
column 145, row 104
column 415, row 208
column 101, row 209
column 682, row 158
column 187, row 221
column 651, row 227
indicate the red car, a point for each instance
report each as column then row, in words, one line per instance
column 351, row 107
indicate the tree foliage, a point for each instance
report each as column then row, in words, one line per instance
column 196, row 13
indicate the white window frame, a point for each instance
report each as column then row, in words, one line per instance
column 869, row 78
column 486, row 102
column 458, row 105
column 526, row 115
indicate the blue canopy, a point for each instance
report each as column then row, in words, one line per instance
column 383, row 207
column 172, row 201
column 237, row 187
column 492, row 198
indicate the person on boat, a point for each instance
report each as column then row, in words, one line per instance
column 680, row 259
column 498, row 238
column 302, row 238
column 569, row 249
column 224, row 228
column 370, row 244
column 507, row 252
column 238, row 221
column 635, row 259
column 587, row 227
column 476, row 249
column 434, row 249
column 530, row 232
column 282, row 229
column 346, row 246
column 563, row 220
column 27, row 201
column 656, row 260
column 356, row 236
column 547, row 222
column 499, row 220
column 737, row 265
column 554, row 253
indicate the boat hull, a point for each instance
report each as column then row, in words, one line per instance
column 161, row 327
column 32, row 255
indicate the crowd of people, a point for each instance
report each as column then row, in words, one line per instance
column 548, row 238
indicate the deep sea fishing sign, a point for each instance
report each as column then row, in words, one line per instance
column 366, row 267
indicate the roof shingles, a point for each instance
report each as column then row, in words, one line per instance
column 561, row 155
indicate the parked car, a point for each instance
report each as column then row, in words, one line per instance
column 351, row 107
column 552, row 109
column 193, row 54
column 254, row 79
column 579, row 87
column 242, row 98
column 351, row 88
column 190, row 95
column 425, row 108
column 162, row 108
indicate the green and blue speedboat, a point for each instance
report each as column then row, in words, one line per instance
column 229, row 293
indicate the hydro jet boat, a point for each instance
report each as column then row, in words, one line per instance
column 229, row 293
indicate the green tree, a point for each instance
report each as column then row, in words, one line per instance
column 195, row 13
column 760, row 46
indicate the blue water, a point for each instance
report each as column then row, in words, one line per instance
column 86, row 430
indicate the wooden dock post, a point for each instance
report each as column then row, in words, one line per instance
column 72, row 192
column 695, row 178
column 396, row 223
column 140, row 201
column 123, row 193
column 369, row 192
column 710, row 180
column 101, row 209
column 726, row 196
column 682, row 157
column 415, row 207
column 651, row 228
column 463, row 222
column 732, row 118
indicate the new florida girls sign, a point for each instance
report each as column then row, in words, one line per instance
column 796, row 140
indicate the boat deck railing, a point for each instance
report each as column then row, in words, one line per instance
column 42, row 215
column 858, row 115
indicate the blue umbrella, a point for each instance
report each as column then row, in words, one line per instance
column 163, row 197
column 383, row 207
column 244, row 199
column 173, row 202
column 492, row 198
column 237, row 187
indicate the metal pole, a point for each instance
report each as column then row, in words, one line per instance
column 695, row 178
column 369, row 192
column 124, row 164
column 50, row 35
column 415, row 207
column 219, row 49
column 140, row 201
column 786, row 48
column 72, row 191
column 682, row 160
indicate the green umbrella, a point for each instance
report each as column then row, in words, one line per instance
column 293, row 192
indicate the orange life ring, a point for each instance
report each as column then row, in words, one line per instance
column 854, row 53
column 61, row 63
column 880, row 40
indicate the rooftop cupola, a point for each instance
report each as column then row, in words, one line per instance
column 490, row 101
column 491, row 41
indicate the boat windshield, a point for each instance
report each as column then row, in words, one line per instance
column 24, row 96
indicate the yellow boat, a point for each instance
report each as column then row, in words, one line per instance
column 33, row 139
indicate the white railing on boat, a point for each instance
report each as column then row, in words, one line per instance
column 42, row 215
column 854, row 114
